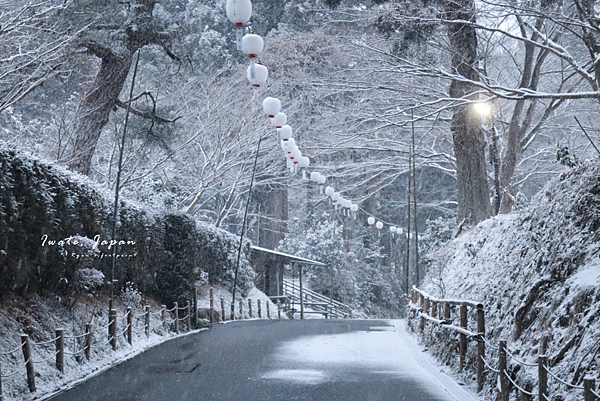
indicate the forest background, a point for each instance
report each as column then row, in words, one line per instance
column 378, row 94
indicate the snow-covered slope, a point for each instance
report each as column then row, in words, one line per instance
column 538, row 274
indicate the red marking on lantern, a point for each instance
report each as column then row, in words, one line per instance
column 239, row 24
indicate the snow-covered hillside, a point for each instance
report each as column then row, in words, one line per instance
column 538, row 274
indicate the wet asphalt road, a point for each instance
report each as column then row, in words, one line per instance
column 250, row 361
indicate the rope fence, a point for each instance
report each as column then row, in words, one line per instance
column 165, row 321
column 438, row 312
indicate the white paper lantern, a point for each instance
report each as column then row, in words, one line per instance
column 379, row 225
column 289, row 145
column 296, row 154
column 252, row 44
column 257, row 74
column 271, row 106
column 285, row 132
column 399, row 231
column 329, row 191
column 279, row 120
column 335, row 197
column 322, row 179
column 304, row 162
column 347, row 204
column 371, row 221
column 354, row 209
column 313, row 176
column 392, row 229
column 238, row 11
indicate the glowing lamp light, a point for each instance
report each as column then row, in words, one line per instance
column 392, row 229
column 371, row 221
column 483, row 108
column 257, row 74
column 238, row 11
column 279, row 120
column 252, row 45
column 329, row 191
column 399, row 231
column 271, row 106
column 379, row 225
column 285, row 132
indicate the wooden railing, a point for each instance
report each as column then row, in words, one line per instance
column 430, row 309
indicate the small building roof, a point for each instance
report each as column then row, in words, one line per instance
column 287, row 256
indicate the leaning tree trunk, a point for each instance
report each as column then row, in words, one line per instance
column 469, row 141
column 103, row 96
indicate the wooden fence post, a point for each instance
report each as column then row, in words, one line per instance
column 211, row 307
column 163, row 316
column 424, row 305
column 129, row 324
column 278, row 310
column 250, row 308
column 112, row 328
column 268, row 314
column 462, row 337
column 188, row 307
column 504, row 389
column 589, row 384
column 176, row 310
column 196, row 307
column 480, row 346
column 434, row 309
column 26, row 348
column 542, row 377
column 88, row 341
column 446, row 311
column 258, row 309
column 147, row 320
column 232, row 311
column 222, row 310
column 60, row 350
column 241, row 310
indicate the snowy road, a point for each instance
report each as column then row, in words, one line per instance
column 280, row 360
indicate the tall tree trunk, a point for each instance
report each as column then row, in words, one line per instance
column 469, row 141
column 103, row 96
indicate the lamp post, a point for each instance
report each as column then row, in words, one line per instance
column 486, row 110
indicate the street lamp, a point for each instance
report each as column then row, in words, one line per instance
column 486, row 110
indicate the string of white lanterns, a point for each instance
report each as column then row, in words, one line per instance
column 251, row 44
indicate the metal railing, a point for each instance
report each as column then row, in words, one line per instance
column 318, row 303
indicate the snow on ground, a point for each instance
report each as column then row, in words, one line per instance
column 537, row 272
column 385, row 350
